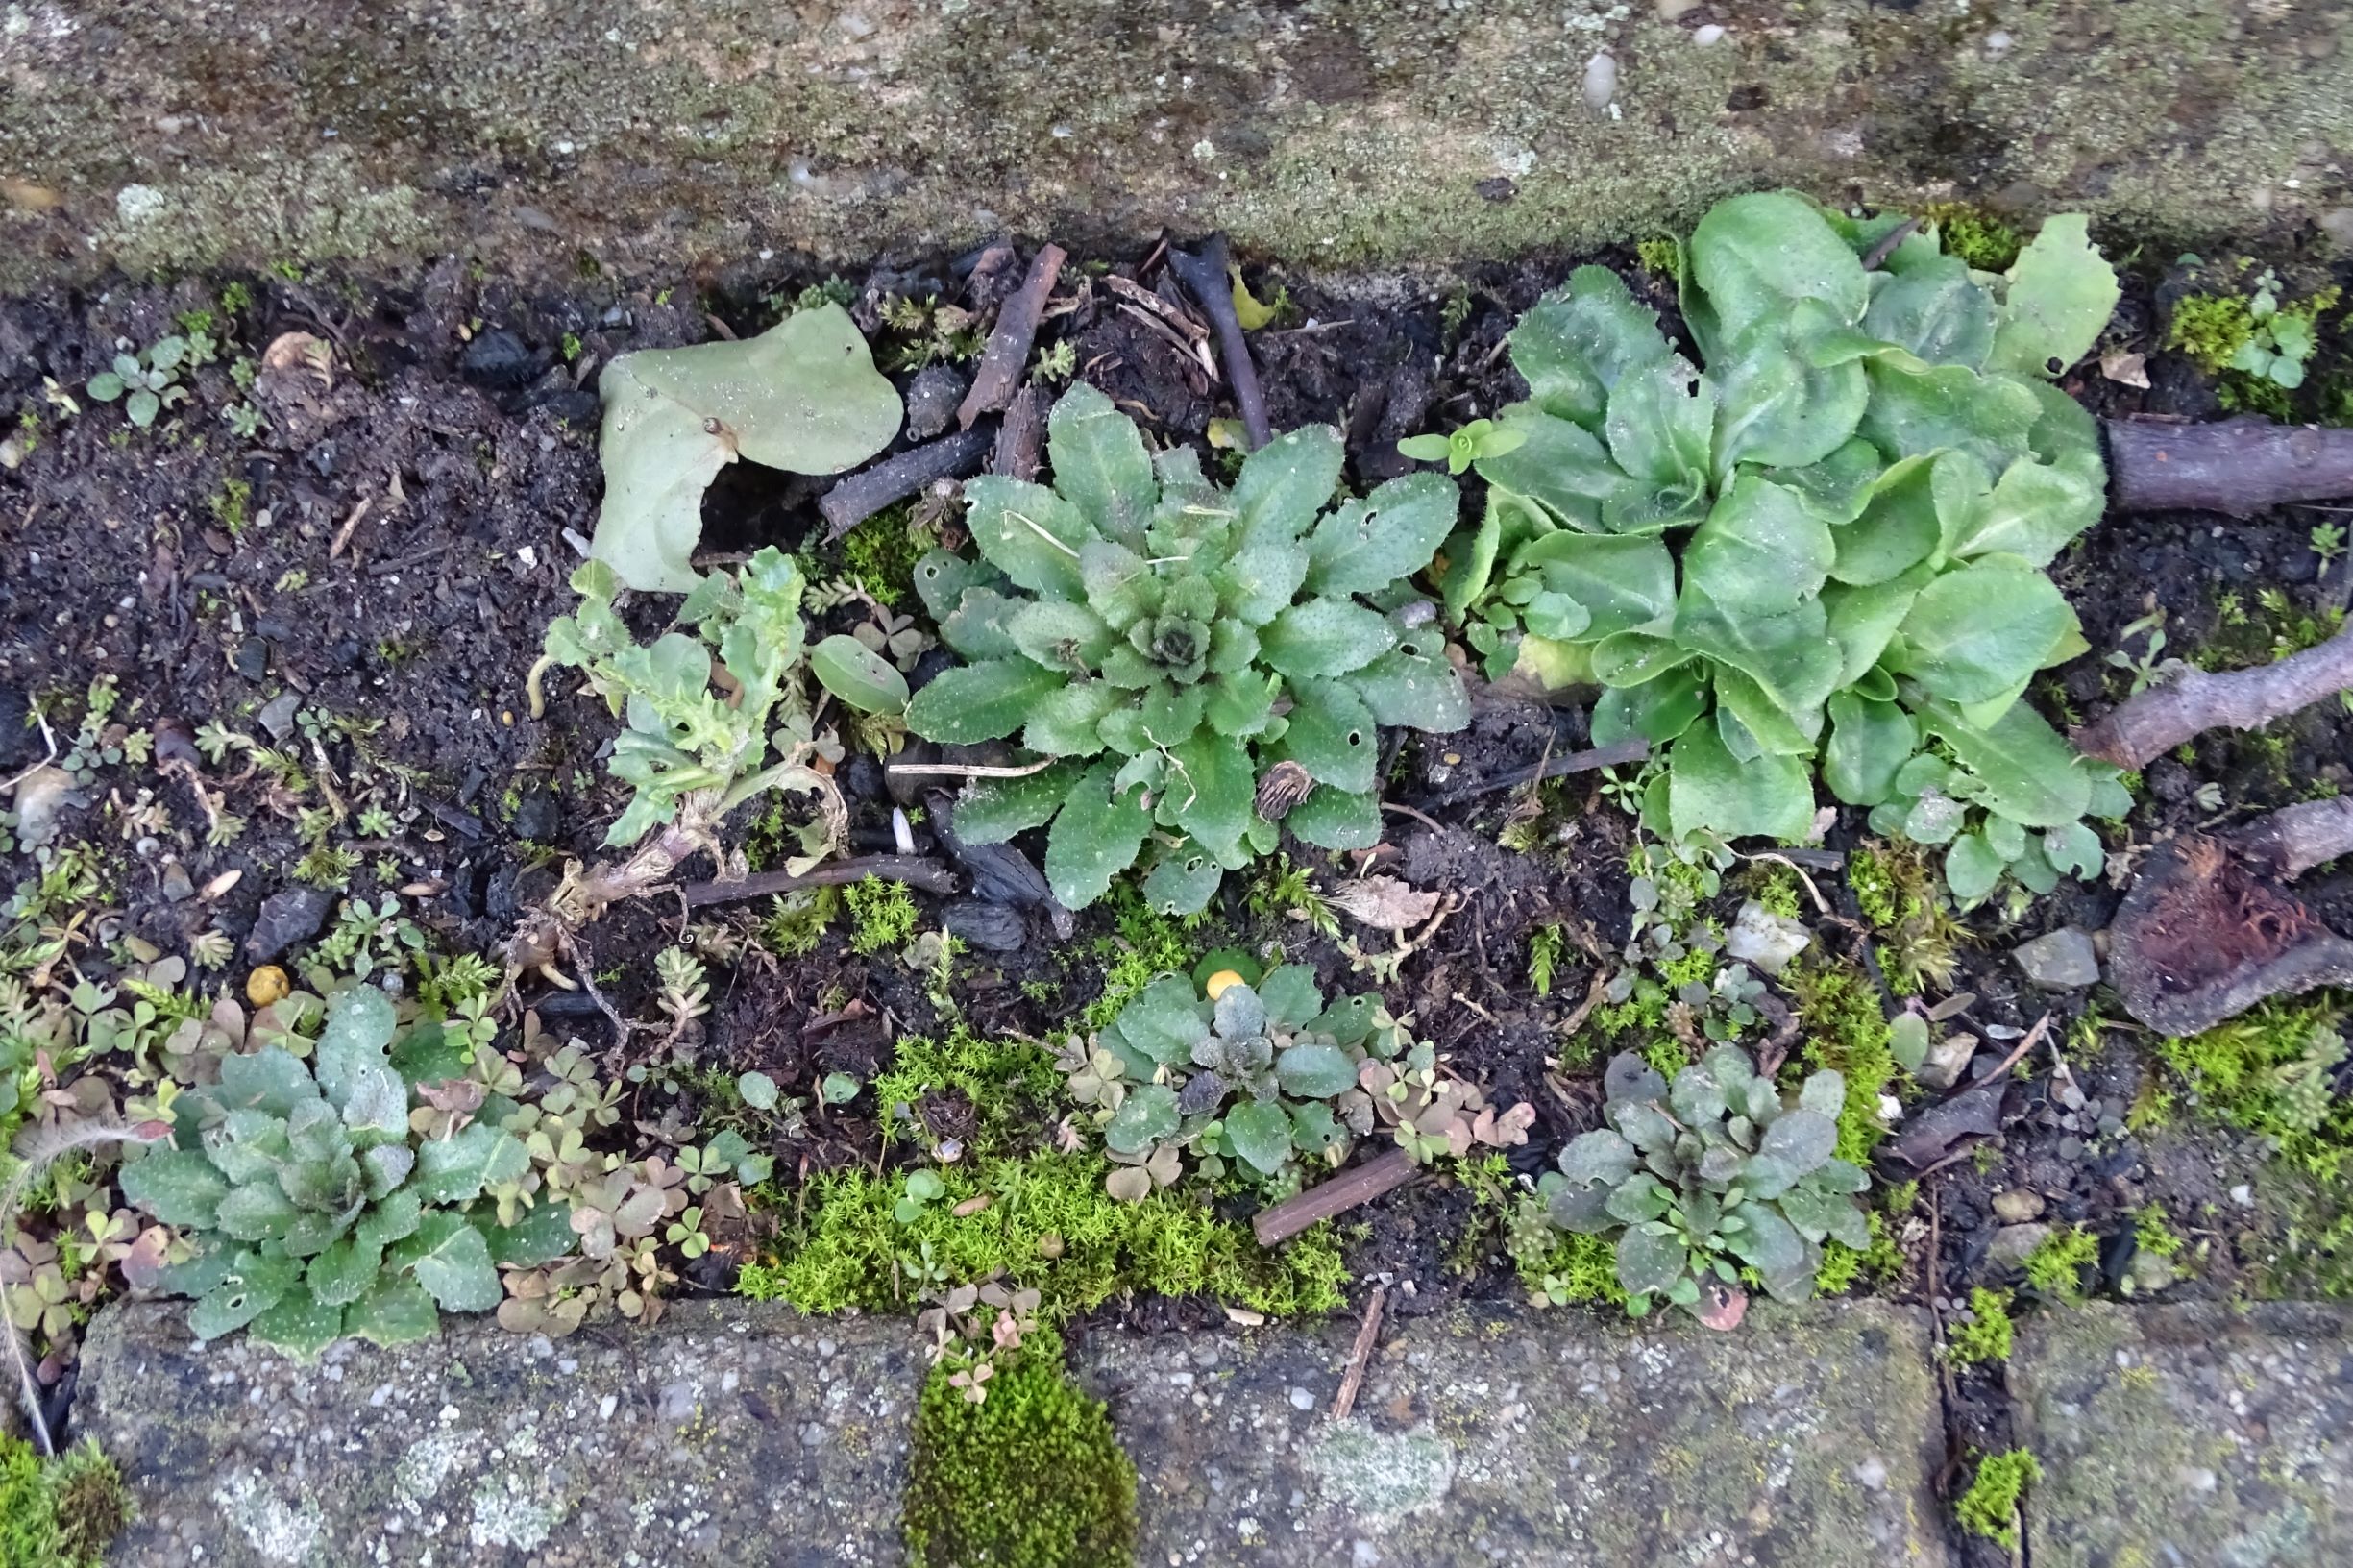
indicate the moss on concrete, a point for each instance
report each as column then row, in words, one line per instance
column 658, row 135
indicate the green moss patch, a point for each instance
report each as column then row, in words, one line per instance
column 1029, row 1476
column 62, row 1514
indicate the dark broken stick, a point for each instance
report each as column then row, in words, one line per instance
column 1007, row 354
column 1204, row 273
column 1367, row 1182
column 2236, row 466
column 1020, row 437
column 2148, row 725
column 915, row 871
column 1615, row 753
column 863, row 494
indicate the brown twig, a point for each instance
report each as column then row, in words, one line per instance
column 1380, row 1174
column 1421, row 816
column 1205, row 273
column 2161, row 717
column 1611, row 755
column 2236, row 466
column 1007, row 354
column 868, row 491
column 915, row 871
column 1361, row 1355
column 1021, row 435
column 1887, row 243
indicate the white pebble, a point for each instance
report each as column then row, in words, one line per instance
column 1601, row 81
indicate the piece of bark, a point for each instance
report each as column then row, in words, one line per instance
column 1380, row 1174
column 1206, row 274
column 2147, row 726
column 2235, row 466
column 2204, row 936
column 1007, row 354
column 1021, row 435
column 2294, row 838
column 915, row 871
column 868, row 491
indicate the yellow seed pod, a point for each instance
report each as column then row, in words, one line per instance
column 1220, row 980
column 266, row 985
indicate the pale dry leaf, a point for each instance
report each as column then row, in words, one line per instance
column 2125, row 369
column 1384, row 903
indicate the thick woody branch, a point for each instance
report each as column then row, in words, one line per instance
column 2237, row 466
column 2160, row 719
column 1003, row 360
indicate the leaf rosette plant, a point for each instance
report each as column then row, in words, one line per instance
column 1827, row 550
column 1710, row 1176
column 1166, row 641
column 316, row 1209
column 1268, row 1077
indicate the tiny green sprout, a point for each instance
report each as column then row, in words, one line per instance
column 2327, row 542
column 924, row 1188
column 840, row 1088
column 1058, row 363
column 1480, row 438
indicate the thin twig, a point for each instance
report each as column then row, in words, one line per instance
column 968, row 770
column 1207, row 274
column 48, row 735
column 928, row 874
column 1560, row 767
column 1429, row 821
column 1361, row 1185
column 1887, row 243
column 351, row 523
column 1369, row 1332
column 868, row 491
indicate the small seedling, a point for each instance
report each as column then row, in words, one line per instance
column 148, row 383
column 1480, row 438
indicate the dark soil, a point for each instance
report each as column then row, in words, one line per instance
column 196, row 569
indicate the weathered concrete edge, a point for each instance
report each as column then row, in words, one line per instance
column 644, row 137
column 148, row 1398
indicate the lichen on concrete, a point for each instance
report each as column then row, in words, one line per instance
column 644, row 135
column 729, row 1435
column 1558, row 1438
column 2190, row 1434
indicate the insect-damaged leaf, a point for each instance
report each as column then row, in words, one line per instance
column 803, row 396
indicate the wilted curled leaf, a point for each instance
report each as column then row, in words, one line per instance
column 1384, row 903
column 1129, row 1183
column 802, row 396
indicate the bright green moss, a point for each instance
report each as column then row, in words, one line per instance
column 1844, row 1266
column 1661, row 258
column 882, row 915
column 1030, row 1477
column 1846, row 1031
column 2209, row 329
column 1990, row 1505
column 1988, row 1337
column 1875, row 892
column 1775, row 885
column 2056, row 1266
column 2247, row 1072
column 879, row 555
column 1048, row 1223
column 796, row 921
column 1149, row 944
column 60, row 1514
column 1973, row 234
column 1011, row 1085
